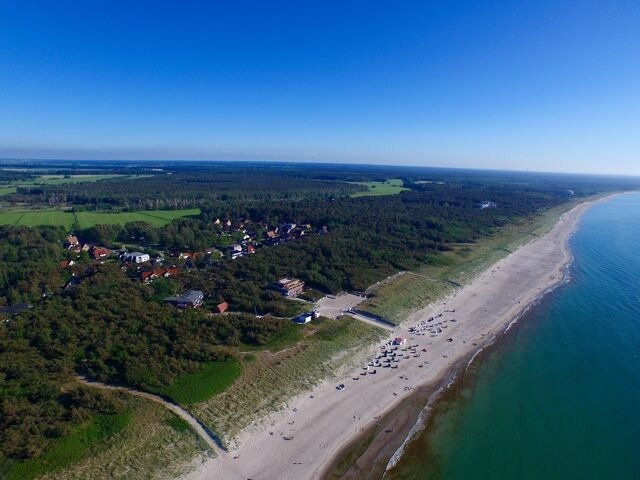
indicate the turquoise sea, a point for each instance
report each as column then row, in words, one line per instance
column 559, row 398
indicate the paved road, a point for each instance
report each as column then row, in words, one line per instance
column 197, row 427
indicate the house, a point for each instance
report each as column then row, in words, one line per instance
column 66, row 263
column 134, row 257
column 289, row 287
column 251, row 249
column 222, row 307
column 147, row 277
column 399, row 341
column 150, row 275
column 288, row 228
column 487, row 204
column 99, row 252
column 71, row 242
column 235, row 251
column 189, row 299
column 303, row 318
column 270, row 234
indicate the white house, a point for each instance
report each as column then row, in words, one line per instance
column 135, row 257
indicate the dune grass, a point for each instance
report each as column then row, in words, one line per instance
column 155, row 444
column 70, row 448
column 212, row 378
column 272, row 378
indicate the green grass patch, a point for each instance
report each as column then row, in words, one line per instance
column 211, row 378
column 288, row 336
column 7, row 190
column 311, row 295
column 178, row 424
column 71, row 448
column 65, row 218
column 389, row 187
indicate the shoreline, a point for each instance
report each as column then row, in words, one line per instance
column 321, row 428
column 381, row 452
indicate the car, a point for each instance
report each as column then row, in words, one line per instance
column 341, row 387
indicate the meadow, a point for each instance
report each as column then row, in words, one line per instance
column 68, row 218
column 211, row 378
column 388, row 187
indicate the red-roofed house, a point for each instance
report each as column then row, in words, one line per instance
column 99, row 252
column 149, row 275
column 222, row 307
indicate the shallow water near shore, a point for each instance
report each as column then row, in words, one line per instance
column 559, row 397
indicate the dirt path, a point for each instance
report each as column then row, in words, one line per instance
column 207, row 436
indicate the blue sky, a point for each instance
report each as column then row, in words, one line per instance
column 527, row 85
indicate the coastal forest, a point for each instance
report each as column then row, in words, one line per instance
column 65, row 314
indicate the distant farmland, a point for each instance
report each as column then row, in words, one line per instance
column 66, row 219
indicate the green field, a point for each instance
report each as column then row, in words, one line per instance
column 389, row 187
column 199, row 386
column 64, row 218
column 62, row 179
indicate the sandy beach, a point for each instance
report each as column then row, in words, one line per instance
column 301, row 441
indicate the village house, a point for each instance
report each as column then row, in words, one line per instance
column 71, row 242
column 222, row 307
column 99, row 252
column 235, row 251
column 303, row 318
column 189, row 299
column 487, row 204
column 289, row 287
column 135, row 257
column 150, row 275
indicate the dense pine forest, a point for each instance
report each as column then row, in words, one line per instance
column 65, row 313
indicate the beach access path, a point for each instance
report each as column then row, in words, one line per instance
column 298, row 443
column 195, row 425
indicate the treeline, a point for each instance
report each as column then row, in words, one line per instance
column 183, row 189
